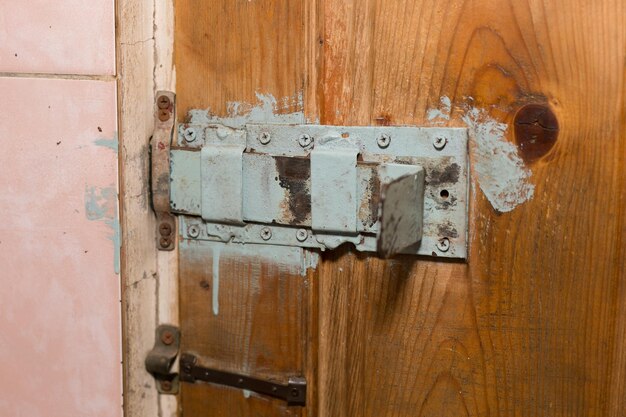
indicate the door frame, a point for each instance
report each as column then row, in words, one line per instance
column 144, row 49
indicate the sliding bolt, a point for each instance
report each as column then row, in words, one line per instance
column 301, row 235
column 266, row 233
column 190, row 134
column 383, row 140
column 305, row 140
column 265, row 138
column 440, row 142
column 444, row 244
column 193, row 231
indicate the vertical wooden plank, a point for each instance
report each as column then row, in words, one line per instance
column 229, row 55
column 139, row 268
column 241, row 311
column 532, row 325
column 149, row 291
column 227, row 51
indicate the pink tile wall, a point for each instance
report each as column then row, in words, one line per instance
column 59, row 304
column 60, row 344
column 62, row 36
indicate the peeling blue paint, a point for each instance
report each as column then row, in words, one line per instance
column 114, row 224
column 101, row 205
column 108, row 143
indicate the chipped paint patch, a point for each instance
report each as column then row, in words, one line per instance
column 101, row 205
column 501, row 173
column 112, row 143
column 441, row 115
column 267, row 110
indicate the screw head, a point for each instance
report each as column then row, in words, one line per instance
column 190, row 134
column 165, row 242
column 166, row 385
column 165, row 229
column 383, row 140
column 266, row 233
column 167, row 337
column 302, row 235
column 193, row 231
column 444, row 244
column 305, row 140
column 265, row 138
column 163, row 102
column 440, row 142
column 164, row 115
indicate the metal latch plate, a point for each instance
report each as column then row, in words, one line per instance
column 281, row 184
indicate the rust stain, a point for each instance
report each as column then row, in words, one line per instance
column 368, row 208
column 447, row 230
column 373, row 189
column 293, row 176
column 384, row 119
column 448, row 175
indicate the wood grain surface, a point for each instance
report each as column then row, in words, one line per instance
column 533, row 324
column 242, row 314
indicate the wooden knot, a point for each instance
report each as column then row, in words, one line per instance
column 536, row 131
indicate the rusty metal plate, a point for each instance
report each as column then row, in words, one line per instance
column 165, row 114
column 281, row 201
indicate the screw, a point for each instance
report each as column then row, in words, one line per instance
column 440, row 143
column 302, row 234
column 165, row 242
column 295, row 392
column 167, row 337
column 265, row 138
column 166, row 385
column 163, row 102
column 266, row 233
column 444, row 244
column 190, row 134
column 383, row 140
column 193, row 231
column 305, row 140
column 165, row 229
column 164, row 115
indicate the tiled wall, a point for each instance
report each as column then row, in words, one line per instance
column 60, row 345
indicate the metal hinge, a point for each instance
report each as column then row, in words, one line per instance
column 164, row 119
column 384, row 189
column 294, row 392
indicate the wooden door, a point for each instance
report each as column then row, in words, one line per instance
column 534, row 323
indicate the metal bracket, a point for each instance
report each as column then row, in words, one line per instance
column 164, row 119
column 160, row 359
column 294, row 392
column 385, row 189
